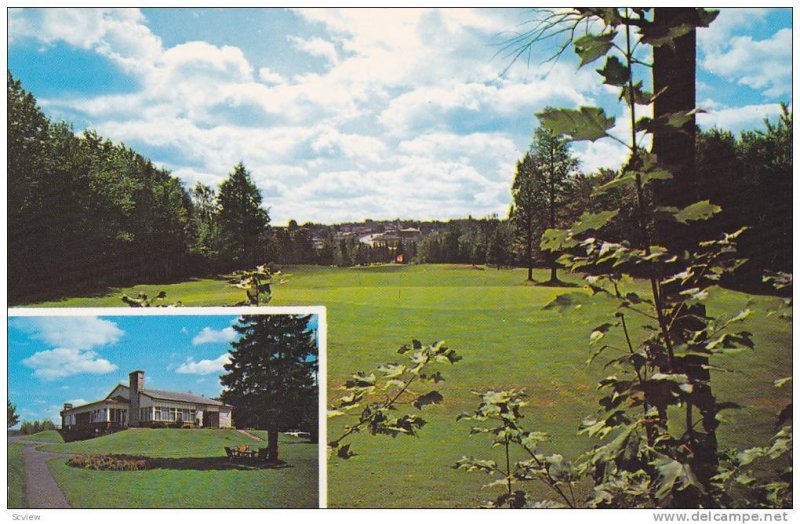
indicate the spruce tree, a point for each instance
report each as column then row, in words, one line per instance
column 243, row 222
column 271, row 379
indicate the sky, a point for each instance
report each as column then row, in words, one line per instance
column 347, row 114
column 80, row 359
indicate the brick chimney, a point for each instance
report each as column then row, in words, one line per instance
column 136, row 384
column 67, row 406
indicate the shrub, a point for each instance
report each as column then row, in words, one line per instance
column 110, row 462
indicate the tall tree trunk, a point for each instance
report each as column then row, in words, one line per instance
column 553, row 275
column 529, row 247
column 272, row 444
column 674, row 72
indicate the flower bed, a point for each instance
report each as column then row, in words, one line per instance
column 110, row 462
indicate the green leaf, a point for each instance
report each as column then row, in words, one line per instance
column 586, row 123
column 674, row 475
column 629, row 178
column 557, row 240
column 614, row 72
column 702, row 210
column 567, row 301
column 344, row 452
column 433, row 397
column 636, row 95
column 782, row 382
column 591, row 47
column 361, row 380
column 749, row 455
column 679, row 378
column 680, row 118
column 658, row 35
column 599, row 332
column 533, row 439
column 593, row 221
column 473, row 464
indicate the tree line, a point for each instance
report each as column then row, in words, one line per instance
column 83, row 210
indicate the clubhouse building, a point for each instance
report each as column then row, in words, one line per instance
column 134, row 406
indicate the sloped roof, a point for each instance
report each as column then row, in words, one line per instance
column 108, row 400
column 180, row 397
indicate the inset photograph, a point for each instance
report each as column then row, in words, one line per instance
column 163, row 411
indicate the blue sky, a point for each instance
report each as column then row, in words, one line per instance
column 80, row 359
column 344, row 114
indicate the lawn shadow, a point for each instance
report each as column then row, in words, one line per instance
column 92, row 290
column 380, row 268
column 556, row 283
column 214, row 464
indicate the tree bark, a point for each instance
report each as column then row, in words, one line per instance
column 272, row 444
column 674, row 73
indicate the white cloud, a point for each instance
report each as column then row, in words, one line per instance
column 65, row 362
column 265, row 74
column 738, row 119
column 208, row 335
column 765, row 65
column 728, row 23
column 118, row 34
column 204, row 367
column 71, row 332
column 77, row 402
column 316, row 47
column 405, row 115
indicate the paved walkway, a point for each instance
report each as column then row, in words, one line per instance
column 249, row 435
column 41, row 491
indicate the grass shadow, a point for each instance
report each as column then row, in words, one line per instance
column 381, row 268
column 91, row 289
column 556, row 283
column 214, row 464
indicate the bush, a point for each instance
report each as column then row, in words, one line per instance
column 110, row 462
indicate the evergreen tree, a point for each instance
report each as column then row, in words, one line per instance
column 206, row 216
column 271, row 379
column 497, row 252
column 526, row 209
column 13, row 417
column 555, row 167
column 243, row 222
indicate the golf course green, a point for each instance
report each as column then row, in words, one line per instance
column 495, row 321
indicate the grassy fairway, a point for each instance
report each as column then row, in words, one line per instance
column 16, row 476
column 495, row 321
column 193, row 472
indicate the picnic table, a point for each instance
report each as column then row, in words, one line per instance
column 246, row 453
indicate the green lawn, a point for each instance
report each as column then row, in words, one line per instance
column 192, row 471
column 16, row 476
column 45, row 436
column 495, row 321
